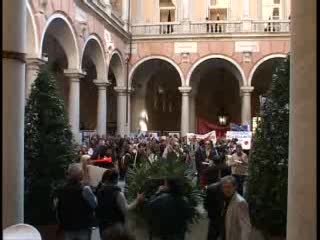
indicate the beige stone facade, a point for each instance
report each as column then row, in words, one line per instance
column 93, row 39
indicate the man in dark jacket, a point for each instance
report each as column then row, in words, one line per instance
column 75, row 206
column 112, row 205
column 100, row 151
column 200, row 157
column 169, row 212
column 213, row 203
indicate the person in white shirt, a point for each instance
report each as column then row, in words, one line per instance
column 239, row 167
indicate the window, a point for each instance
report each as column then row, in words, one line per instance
column 275, row 14
column 271, row 9
column 167, row 14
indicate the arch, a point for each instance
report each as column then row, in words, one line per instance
column 97, row 56
column 118, row 53
column 32, row 50
column 71, row 51
column 155, row 57
column 117, row 64
column 262, row 60
column 242, row 81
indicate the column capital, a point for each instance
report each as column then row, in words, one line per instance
column 123, row 90
column 74, row 74
column 246, row 90
column 35, row 62
column 101, row 84
column 185, row 90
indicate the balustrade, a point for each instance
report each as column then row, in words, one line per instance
column 212, row 27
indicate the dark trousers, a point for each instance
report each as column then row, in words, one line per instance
column 240, row 180
column 214, row 230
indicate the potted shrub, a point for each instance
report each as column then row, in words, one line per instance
column 148, row 177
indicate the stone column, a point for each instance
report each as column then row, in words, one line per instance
column 121, row 111
column 128, row 129
column 14, row 15
column 192, row 123
column 302, row 197
column 246, row 105
column 74, row 76
column 33, row 67
column 185, row 110
column 102, row 107
column 125, row 13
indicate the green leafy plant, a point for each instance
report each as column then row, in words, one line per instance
column 49, row 148
column 148, row 177
column 268, row 169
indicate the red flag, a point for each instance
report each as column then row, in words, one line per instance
column 103, row 160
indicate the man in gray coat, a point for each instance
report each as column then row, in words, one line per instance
column 235, row 212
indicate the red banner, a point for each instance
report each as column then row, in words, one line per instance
column 203, row 127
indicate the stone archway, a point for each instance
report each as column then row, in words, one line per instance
column 236, row 68
column 117, row 116
column 156, row 100
column 92, row 105
column 166, row 59
column 116, row 66
column 32, row 35
column 58, row 62
column 59, row 28
column 59, row 44
column 216, row 84
column 260, row 79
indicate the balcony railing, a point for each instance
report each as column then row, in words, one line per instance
column 216, row 27
column 271, row 26
column 157, row 28
column 211, row 27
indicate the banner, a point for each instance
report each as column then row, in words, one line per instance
column 208, row 136
column 203, row 126
column 244, row 138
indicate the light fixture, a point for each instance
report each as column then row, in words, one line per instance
column 160, row 89
column 222, row 118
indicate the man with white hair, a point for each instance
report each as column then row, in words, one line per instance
column 75, row 206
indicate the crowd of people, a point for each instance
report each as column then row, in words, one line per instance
column 219, row 168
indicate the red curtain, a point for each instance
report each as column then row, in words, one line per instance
column 203, row 127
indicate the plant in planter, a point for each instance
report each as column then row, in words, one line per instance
column 49, row 148
column 148, row 177
column 268, row 169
